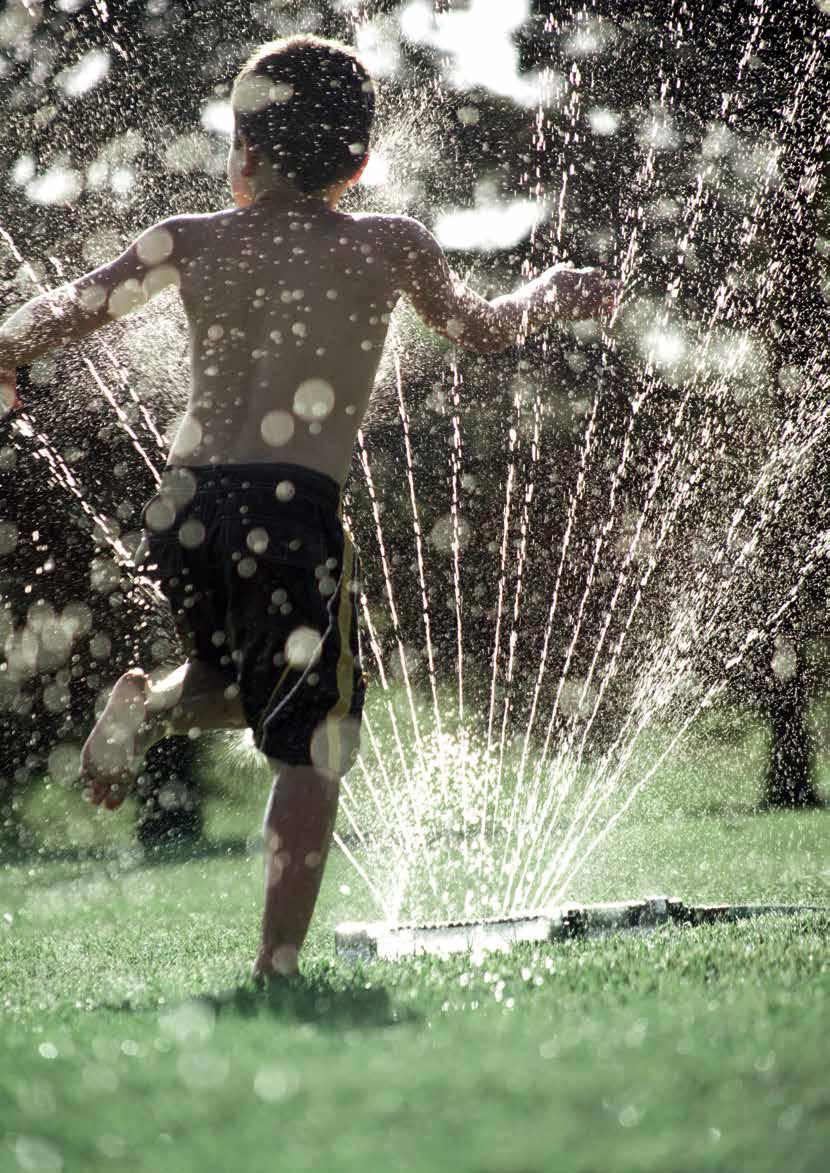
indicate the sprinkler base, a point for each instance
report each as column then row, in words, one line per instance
column 385, row 942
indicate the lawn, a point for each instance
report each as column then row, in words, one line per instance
column 131, row 1038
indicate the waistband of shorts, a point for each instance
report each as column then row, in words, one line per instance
column 308, row 484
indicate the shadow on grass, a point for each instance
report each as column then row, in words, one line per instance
column 315, row 999
column 173, row 852
column 167, row 853
column 751, row 810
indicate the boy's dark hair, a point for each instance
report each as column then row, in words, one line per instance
column 308, row 105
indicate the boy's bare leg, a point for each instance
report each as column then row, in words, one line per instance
column 299, row 823
column 194, row 696
column 137, row 716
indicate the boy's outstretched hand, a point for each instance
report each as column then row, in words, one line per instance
column 580, row 293
column 9, row 399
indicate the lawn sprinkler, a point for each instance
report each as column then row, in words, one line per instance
column 387, row 942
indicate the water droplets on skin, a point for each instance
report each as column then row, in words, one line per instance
column 512, row 797
column 314, row 400
column 277, row 427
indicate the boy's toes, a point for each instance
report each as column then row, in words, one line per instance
column 115, row 794
column 107, row 791
column 92, row 789
column 277, row 965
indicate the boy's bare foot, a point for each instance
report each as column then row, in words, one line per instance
column 109, row 764
column 276, row 966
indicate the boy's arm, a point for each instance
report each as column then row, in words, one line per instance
column 73, row 310
column 447, row 305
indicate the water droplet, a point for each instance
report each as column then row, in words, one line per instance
column 313, row 399
column 277, row 427
column 36, row 1155
column 154, row 246
column 257, row 540
column 303, row 646
column 273, row 1083
column 192, row 533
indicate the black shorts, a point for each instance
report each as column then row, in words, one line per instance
column 263, row 583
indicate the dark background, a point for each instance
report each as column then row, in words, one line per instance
column 662, row 60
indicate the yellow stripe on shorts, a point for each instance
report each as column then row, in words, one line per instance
column 345, row 661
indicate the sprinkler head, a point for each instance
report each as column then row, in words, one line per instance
column 379, row 940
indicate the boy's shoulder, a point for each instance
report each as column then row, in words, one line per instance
column 383, row 221
column 389, row 223
column 179, row 234
column 388, row 233
column 396, row 237
column 189, row 224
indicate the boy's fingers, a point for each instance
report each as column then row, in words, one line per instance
column 582, row 292
column 9, row 399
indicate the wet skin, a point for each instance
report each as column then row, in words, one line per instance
column 288, row 303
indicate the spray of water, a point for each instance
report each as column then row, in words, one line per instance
column 479, row 797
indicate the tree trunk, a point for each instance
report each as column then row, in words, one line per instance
column 790, row 778
column 169, row 806
column 12, row 831
column 14, row 778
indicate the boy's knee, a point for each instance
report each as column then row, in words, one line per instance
column 303, row 783
column 335, row 744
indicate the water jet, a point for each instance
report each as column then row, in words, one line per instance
column 567, row 565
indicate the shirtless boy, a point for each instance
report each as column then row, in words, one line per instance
column 288, row 303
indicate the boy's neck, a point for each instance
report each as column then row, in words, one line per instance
column 284, row 199
column 287, row 195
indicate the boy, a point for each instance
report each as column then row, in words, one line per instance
column 288, row 303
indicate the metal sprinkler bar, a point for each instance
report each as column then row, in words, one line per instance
column 385, row 942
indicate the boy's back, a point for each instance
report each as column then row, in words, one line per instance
column 288, row 305
column 288, row 310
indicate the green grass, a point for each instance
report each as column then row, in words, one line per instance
column 131, row 1039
